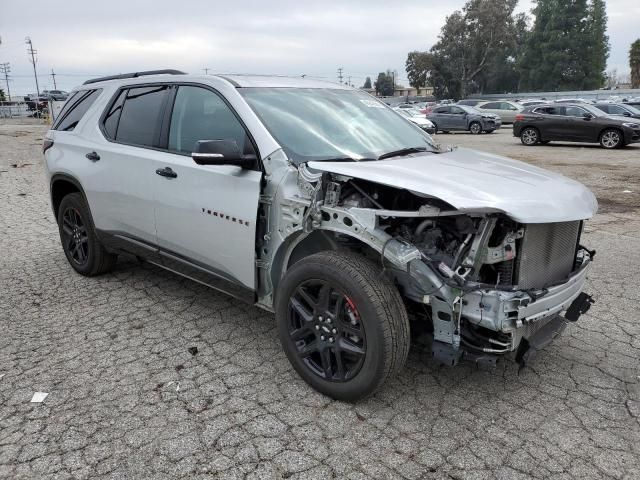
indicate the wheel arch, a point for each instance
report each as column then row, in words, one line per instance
column 62, row 184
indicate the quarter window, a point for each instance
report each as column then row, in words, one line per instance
column 200, row 114
column 77, row 107
column 139, row 122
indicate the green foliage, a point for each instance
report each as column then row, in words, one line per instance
column 476, row 51
column 567, row 48
column 384, row 84
column 634, row 63
column 419, row 66
column 367, row 83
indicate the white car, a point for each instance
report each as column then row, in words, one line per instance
column 417, row 118
column 318, row 202
column 506, row 110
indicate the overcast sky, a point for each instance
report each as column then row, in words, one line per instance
column 81, row 39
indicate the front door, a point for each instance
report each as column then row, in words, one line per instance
column 205, row 214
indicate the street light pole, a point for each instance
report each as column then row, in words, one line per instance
column 33, row 52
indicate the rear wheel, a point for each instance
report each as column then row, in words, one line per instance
column 611, row 138
column 81, row 246
column 475, row 128
column 529, row 136
column 342, row 325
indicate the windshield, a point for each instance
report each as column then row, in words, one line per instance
column 327, row 124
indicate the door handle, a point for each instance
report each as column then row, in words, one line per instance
column 93, row 156
column 166, row 172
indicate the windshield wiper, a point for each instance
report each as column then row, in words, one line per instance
column 347, row 159
column 402, row 152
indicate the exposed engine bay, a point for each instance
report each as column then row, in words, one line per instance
column 482, row 283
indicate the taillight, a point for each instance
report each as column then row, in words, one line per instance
column 47, row 144
column 519, row 118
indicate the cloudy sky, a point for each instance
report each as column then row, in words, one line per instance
column 81, row 39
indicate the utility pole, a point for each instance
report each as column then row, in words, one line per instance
column 349, row 81
column 33, row 60
column 206, row 71
column 340, row 74
column 53, row 75
column 5, row 68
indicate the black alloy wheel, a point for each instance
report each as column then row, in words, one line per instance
column 342, row 324
column 74, row 236
column 326, row 328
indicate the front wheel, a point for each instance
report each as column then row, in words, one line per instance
column 475, row 128
column 342, row 324
column 529, row 136
column 611, row 138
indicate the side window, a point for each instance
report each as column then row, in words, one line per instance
column 441, row 110
column 111, row 119
column 507, row 106
column 457, row 110
column 574, row 111
column 200, row 114
column 605, row 108
column 78, row 106
column 616, row 110
column 491, row 106
column 547, row 110
column 139, row 122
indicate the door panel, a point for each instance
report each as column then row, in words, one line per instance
column 206, row 214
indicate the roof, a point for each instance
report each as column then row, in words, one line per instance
column 240, row 81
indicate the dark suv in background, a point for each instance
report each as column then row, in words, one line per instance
column 462, row 117
column 574, row 123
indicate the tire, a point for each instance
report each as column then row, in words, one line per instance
column 362, row 320
column 529, row 136
column 611, row 138
column 435, row 127
column 81, row 246
column 489, row 131
column 475, row 128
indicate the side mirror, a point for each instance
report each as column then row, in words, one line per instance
column 587, row 116
column 220, row 152
column 626, row 114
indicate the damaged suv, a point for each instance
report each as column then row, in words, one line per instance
column 319, row 203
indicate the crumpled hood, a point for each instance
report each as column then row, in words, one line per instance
column 469, row 179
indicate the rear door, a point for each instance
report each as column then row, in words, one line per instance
column 550, row 122
column 205, row 214
column 119, row 189
column 440, row 117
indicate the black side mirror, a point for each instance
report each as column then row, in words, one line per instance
column 220, row 152
column 626, row 114
column 587, row 116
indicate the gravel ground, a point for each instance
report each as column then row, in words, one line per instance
column 127, row 399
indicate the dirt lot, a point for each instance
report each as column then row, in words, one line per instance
column 128, row 400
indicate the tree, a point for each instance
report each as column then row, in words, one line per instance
column 475, row 49
column 418, row 67
column 2, row 97
column 367, row 83
column 384, row 84
column 634, row 63
column 567, row 48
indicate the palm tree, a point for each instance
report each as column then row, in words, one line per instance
column 634, row 63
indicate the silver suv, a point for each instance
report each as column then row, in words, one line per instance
column 319, row 203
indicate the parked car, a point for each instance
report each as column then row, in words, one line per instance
column 575, row 123
column 58, row 95
column 619, row 109
column 574, row 100
column 448, row 118
column 469, row 102
column 317, row 202
column 417, row 118
column 529, row 103
column 507, row 111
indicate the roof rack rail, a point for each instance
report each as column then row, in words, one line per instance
column 134, row 75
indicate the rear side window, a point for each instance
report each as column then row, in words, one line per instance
column 75, row 108
column 112, row 117
column 491, row 106
column 139, row 116
column 441, row 110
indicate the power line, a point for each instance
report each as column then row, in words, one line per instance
column 340, row 74
column 5, row 68
column 33, row 61
column 206, row 70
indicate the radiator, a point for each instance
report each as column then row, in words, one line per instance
column 547, row 254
